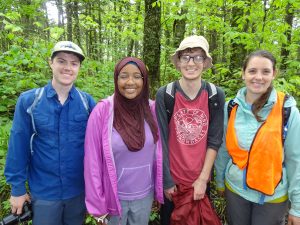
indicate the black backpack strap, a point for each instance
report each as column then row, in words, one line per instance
column 286, row 114
column 169, row 99
column 213, row 101
column 230, row 106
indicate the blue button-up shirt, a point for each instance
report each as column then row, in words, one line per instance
column 54, row 166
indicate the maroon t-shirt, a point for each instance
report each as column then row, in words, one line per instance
column 188, row 137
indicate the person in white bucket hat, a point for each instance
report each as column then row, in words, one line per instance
column 191, row 42
column 190, row 117
column 46, row 145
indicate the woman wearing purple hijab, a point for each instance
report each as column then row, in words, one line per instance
column 123, row 155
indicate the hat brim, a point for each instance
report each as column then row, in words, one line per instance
column 81, row 57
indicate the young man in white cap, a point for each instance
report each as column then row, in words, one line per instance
column 46, row 145
column 191, row 129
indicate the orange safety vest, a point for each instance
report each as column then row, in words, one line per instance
column 264, row 159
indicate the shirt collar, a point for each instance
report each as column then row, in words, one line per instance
column 51, row 91
column 241, row 97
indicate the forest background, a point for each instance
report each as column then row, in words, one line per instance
column 148, row 29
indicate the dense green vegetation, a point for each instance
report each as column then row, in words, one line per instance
column 149, row 29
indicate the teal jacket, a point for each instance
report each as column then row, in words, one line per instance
column 246, row 127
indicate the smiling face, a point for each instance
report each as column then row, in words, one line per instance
column 130, row 81
column 191, row 70
column 258, row 76
column 65, row 68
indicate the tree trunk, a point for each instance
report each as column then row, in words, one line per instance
column 238, row 52
column 289, row 10
column 166, row 76
column 69, row 13
column 179, row 28
column 264, row 22
column 76, row 25
column 131, row 44
column 60, row 13
column 25, row 18
column 151, row 50
column 100, row 40
column 46, row 24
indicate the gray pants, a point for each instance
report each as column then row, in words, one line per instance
column 61, row 212
column 135, row 212
column 240, row 211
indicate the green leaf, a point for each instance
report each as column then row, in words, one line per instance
column 12, row 27
column 3, row 108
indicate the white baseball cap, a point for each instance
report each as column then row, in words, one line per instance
column 68, row 46
column 194, row 41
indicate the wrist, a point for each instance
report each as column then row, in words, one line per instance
column 202, row 179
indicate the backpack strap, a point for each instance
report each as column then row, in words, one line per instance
column 84, row 100
column 212, row 90
column 169, row 99
column 37, row 96
column 286, row 115
column 230, row 106
column 213, row 101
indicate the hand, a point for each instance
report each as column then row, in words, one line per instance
column 155, row 205
column 199, row 188
column 16, row 203
column 169, row 192
column 105, row 220
column 293, row 220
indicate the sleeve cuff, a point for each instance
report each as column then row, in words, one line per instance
column 18, row 191
column 220, row 186
column 295, row 211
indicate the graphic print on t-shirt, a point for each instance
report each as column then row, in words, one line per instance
column 188, row 137
column 191, row 125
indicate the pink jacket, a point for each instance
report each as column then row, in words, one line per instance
column 99, row 167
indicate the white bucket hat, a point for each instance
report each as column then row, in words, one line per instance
column 68, row 46
column 194, row 41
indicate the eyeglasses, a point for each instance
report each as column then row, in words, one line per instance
column 197, row 59
column 126, row 77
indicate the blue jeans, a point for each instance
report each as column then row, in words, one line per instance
column 134, row 212
column 61, row 212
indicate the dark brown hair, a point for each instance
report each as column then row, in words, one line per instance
column 260, row 102
column 73, row 53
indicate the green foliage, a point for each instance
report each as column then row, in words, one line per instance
column 90, row 220
column 218, row 202
column 4, row 188
column 154, row 216
column 21, row 69
column 109, row 30
column 96, row 78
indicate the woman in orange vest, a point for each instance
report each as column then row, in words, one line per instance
column 258, row 165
